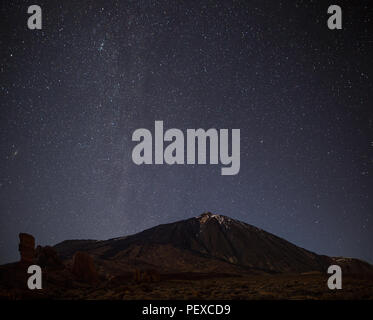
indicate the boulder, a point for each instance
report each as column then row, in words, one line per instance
column 83, row 268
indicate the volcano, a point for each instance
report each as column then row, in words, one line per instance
column 206, row 243
column 210, row 256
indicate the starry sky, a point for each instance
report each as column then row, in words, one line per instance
column 73, row 93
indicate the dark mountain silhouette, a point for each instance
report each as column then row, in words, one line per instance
column 207, row 257
column 207, row 243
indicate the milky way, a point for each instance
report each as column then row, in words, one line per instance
column 73, row 93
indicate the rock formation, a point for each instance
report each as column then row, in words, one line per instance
column 47, row 257
column 83, row 268
column 146, row 275
column 26, row 247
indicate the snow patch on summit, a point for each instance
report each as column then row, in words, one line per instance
column 204, row 217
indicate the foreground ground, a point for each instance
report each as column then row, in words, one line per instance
column 279, row 286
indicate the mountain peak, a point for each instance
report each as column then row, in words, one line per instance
column 206, row 216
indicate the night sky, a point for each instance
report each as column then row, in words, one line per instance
column 73, row 93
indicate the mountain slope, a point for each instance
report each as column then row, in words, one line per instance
column 199, row 244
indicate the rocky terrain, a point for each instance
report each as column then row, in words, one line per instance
column 206, row 257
